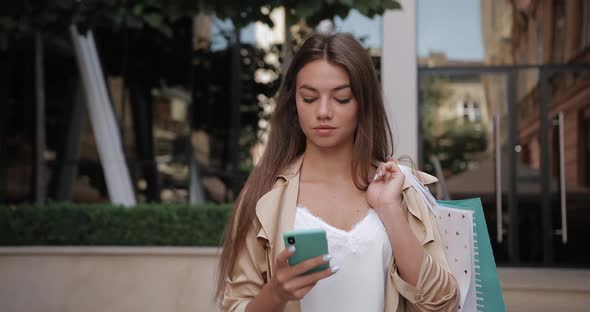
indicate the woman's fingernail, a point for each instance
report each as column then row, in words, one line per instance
column 375, row 177
column 292, row 249
column 335, row 269
column 327, row 258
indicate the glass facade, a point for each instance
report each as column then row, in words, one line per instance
column 510, row 126
column 503, row 89
column 192, row 111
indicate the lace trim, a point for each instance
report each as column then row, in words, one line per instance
column 367, row 230
column 337, row 229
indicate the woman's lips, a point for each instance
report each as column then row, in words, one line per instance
column 324, row 130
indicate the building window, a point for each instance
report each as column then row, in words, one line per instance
column 469, row 110
column 522, row 74
column 586, row 161
column 585, row 42
column 558, row 31
column 539, row 42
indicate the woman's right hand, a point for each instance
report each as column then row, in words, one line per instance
column 288, row 282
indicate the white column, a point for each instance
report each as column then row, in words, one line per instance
column 398, row 77
column 102, row 118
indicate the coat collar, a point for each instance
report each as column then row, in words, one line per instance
column 275, row 210
column 292, row 169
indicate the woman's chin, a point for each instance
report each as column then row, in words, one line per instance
column 328, row 143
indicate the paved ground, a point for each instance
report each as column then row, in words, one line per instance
column 540, row 290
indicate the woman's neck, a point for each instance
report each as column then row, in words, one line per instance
column 327, row 163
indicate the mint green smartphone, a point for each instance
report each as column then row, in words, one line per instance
column 308, row 244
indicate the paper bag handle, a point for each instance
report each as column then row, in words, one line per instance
column 420, row 188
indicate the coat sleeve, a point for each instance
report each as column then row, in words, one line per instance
column 436, row 289
column 249, row 274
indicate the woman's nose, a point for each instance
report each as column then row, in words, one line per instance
column 324, row 109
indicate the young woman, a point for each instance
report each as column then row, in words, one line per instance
column 325, row 166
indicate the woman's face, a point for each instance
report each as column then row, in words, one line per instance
column 326, row 108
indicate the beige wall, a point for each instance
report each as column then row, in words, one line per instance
column 64, row 279
column 56, row 279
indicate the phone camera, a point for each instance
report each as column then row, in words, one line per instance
column 291, row 240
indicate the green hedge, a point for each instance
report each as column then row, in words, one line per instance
column 104, row 224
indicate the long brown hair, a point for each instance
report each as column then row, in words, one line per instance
column 373, row 139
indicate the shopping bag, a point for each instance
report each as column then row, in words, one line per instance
column 462, row 227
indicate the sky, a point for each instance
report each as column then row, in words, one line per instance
column 449, row 26
column 357, row 24
column 367, row 29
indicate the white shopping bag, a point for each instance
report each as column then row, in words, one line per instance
column 456, row 230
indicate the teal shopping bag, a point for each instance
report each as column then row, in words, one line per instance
column 464, row 233
column 488, row 290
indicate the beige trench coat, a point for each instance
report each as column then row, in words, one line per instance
column 436, row 289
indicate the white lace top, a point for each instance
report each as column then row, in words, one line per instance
column 364, row 256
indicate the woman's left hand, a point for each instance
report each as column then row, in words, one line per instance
column 385, row 188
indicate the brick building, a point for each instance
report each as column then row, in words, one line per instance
column 554, row 32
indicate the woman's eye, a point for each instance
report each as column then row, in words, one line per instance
column 343, row 101
column 308, row 100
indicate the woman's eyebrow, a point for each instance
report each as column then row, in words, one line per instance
column 315, row 90
column 308, row 88
column 341, row 87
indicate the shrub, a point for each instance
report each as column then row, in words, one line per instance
column 105, row 224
